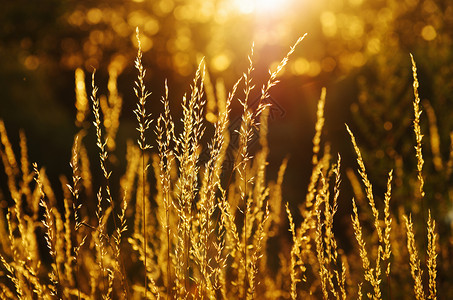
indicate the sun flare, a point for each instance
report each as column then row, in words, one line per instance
column 260, row 6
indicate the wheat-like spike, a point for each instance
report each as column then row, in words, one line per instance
column 76, row 205
column 108, row 293
column 35, row 285
column 13, row 277
column 160, row 236
column 387, row 224
column 368, row 185
column 267, row 194
column 273, row 75
column 330, row 238
column 26, row 273
column 341, row 279
column 76, row 257
column 51, row 235
column 359, row 292
column 102, row 242
column 369, row 272
column 330, row 210
column 17, row 209
column 417, row 129
column 256, row 255
column 302, row 247
column 219, row 276
column 144, row 122
column 432, row 257
column 68, row 243
column 165, row 133
column 323, row 272
column 326, row 246
column 16, row 278
column 260, row 207
column 233, row 244
column 294, row 254
column 103, row 156
column 143, row 118
column 74, row 189
column 245, row 135
column 187, row 151
column 210, row 185
column 117, row 246
column 374, row 279
column 245, row 131
column 99, row 237
column 59, row 243
column 208, row 235
column 416, row 271
column 314, row 178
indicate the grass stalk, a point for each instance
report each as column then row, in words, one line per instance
column 144, row 122
column 221, row 233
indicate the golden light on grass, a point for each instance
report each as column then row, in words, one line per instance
column 194, row 223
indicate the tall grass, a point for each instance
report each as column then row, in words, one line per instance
column 203, row 231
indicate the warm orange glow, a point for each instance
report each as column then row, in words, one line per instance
column 260, row 6
column 343, row 35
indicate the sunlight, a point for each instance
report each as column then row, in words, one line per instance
column 260, row 6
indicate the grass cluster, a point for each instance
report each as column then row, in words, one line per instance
column 203, row 231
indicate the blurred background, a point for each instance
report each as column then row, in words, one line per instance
column 358, row 49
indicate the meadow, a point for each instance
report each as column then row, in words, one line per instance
column 182, row 225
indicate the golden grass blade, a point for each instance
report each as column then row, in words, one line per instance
column 417, row 131
column 144, row 122
column 432, row 252
column 416, row 271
